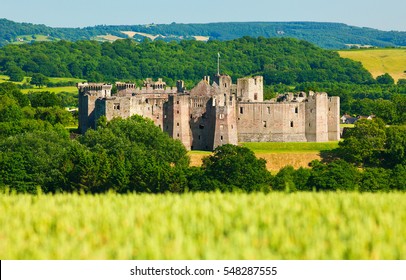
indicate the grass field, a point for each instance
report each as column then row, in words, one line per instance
column 72, row 89
column 380, row 61
column 51, row 89
column 278, row 155
column 204, row 226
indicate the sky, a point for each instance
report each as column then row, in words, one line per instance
column 384, row 15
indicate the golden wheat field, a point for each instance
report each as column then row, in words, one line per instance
column 380, row 61
column 204, row 226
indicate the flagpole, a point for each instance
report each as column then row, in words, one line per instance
column 218, row 64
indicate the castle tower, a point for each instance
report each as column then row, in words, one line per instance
column 334, row 118
column 250, row 89
column 176, row 122
column 224, row 82
column 88, row 94
column 224, row 117
column 316, row 123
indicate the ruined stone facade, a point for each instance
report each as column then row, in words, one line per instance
column 212, row 114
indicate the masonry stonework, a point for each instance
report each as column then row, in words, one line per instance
column 213, row 114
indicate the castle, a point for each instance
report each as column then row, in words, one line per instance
column 212, row 114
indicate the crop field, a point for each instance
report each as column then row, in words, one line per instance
column 204, row 226
column 278, row 154
column 380, row 61
column 70, row 89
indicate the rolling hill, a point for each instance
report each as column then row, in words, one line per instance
column 325, row 35
column 380, row 61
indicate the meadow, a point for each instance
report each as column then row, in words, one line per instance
column 70, row 89
column 278, row 155
column 204, row 226
column 380, row 61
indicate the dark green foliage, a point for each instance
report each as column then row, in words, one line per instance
column 15, row 73
column 45, row 99
column 364, row 144
column 375, row 180
column 11, row 90
column 237, row 167
column 33, row 160
column 395, row 145
column 39, row 80
column 334, row 176
column 137, row 156
column 280, row 60
column 398, row 179
column 385, row 79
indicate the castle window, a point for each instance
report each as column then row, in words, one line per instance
column 157, row 117
column 232, row 126
column 177, row 102
column 296, row 110
column 221, row 126
column 255, row 96
column 177, row 112
column 291, row 124
column 269, row 110
column 221, row 116
column 309, row 125
column 116, row 106
column 199, row 137
column 264, row 123
column 221, row 138
column 201, row 126
column 178, row 135
column 241, row 110
column 146, row 101
column 164, row 116
column 177, row 124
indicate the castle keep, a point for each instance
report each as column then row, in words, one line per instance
column 215, row 113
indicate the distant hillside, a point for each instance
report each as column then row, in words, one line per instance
column 325, row 35
column 380, row 61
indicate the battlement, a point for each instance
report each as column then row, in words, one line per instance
column 210, row 115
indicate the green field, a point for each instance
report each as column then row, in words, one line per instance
column 71, row 89
column 380, row 61
column 204, row 226
column 51, row 89
column 296, row 147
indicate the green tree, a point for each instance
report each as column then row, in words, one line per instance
column 375, row 180
column 39, row 80
column 237, row 167
column 15, row 73
column 385, row 79
column 334, row 176
column 364, row 144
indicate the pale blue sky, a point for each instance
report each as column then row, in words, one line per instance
column 384, row 15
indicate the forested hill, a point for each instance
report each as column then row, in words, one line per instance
column 325, row 35
column 279, row 60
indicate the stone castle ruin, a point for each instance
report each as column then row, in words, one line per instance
column 212, row 114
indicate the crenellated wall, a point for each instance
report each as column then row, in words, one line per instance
column 210, row 115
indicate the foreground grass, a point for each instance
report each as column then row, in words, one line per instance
column 380, row 61
column 204, row 226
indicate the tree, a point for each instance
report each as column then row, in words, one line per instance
column 337, row 175
column 385, row 79
column 375, row 180
column 39, row 80
column 15, row 73
column 237, row 167
column 364, row 144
